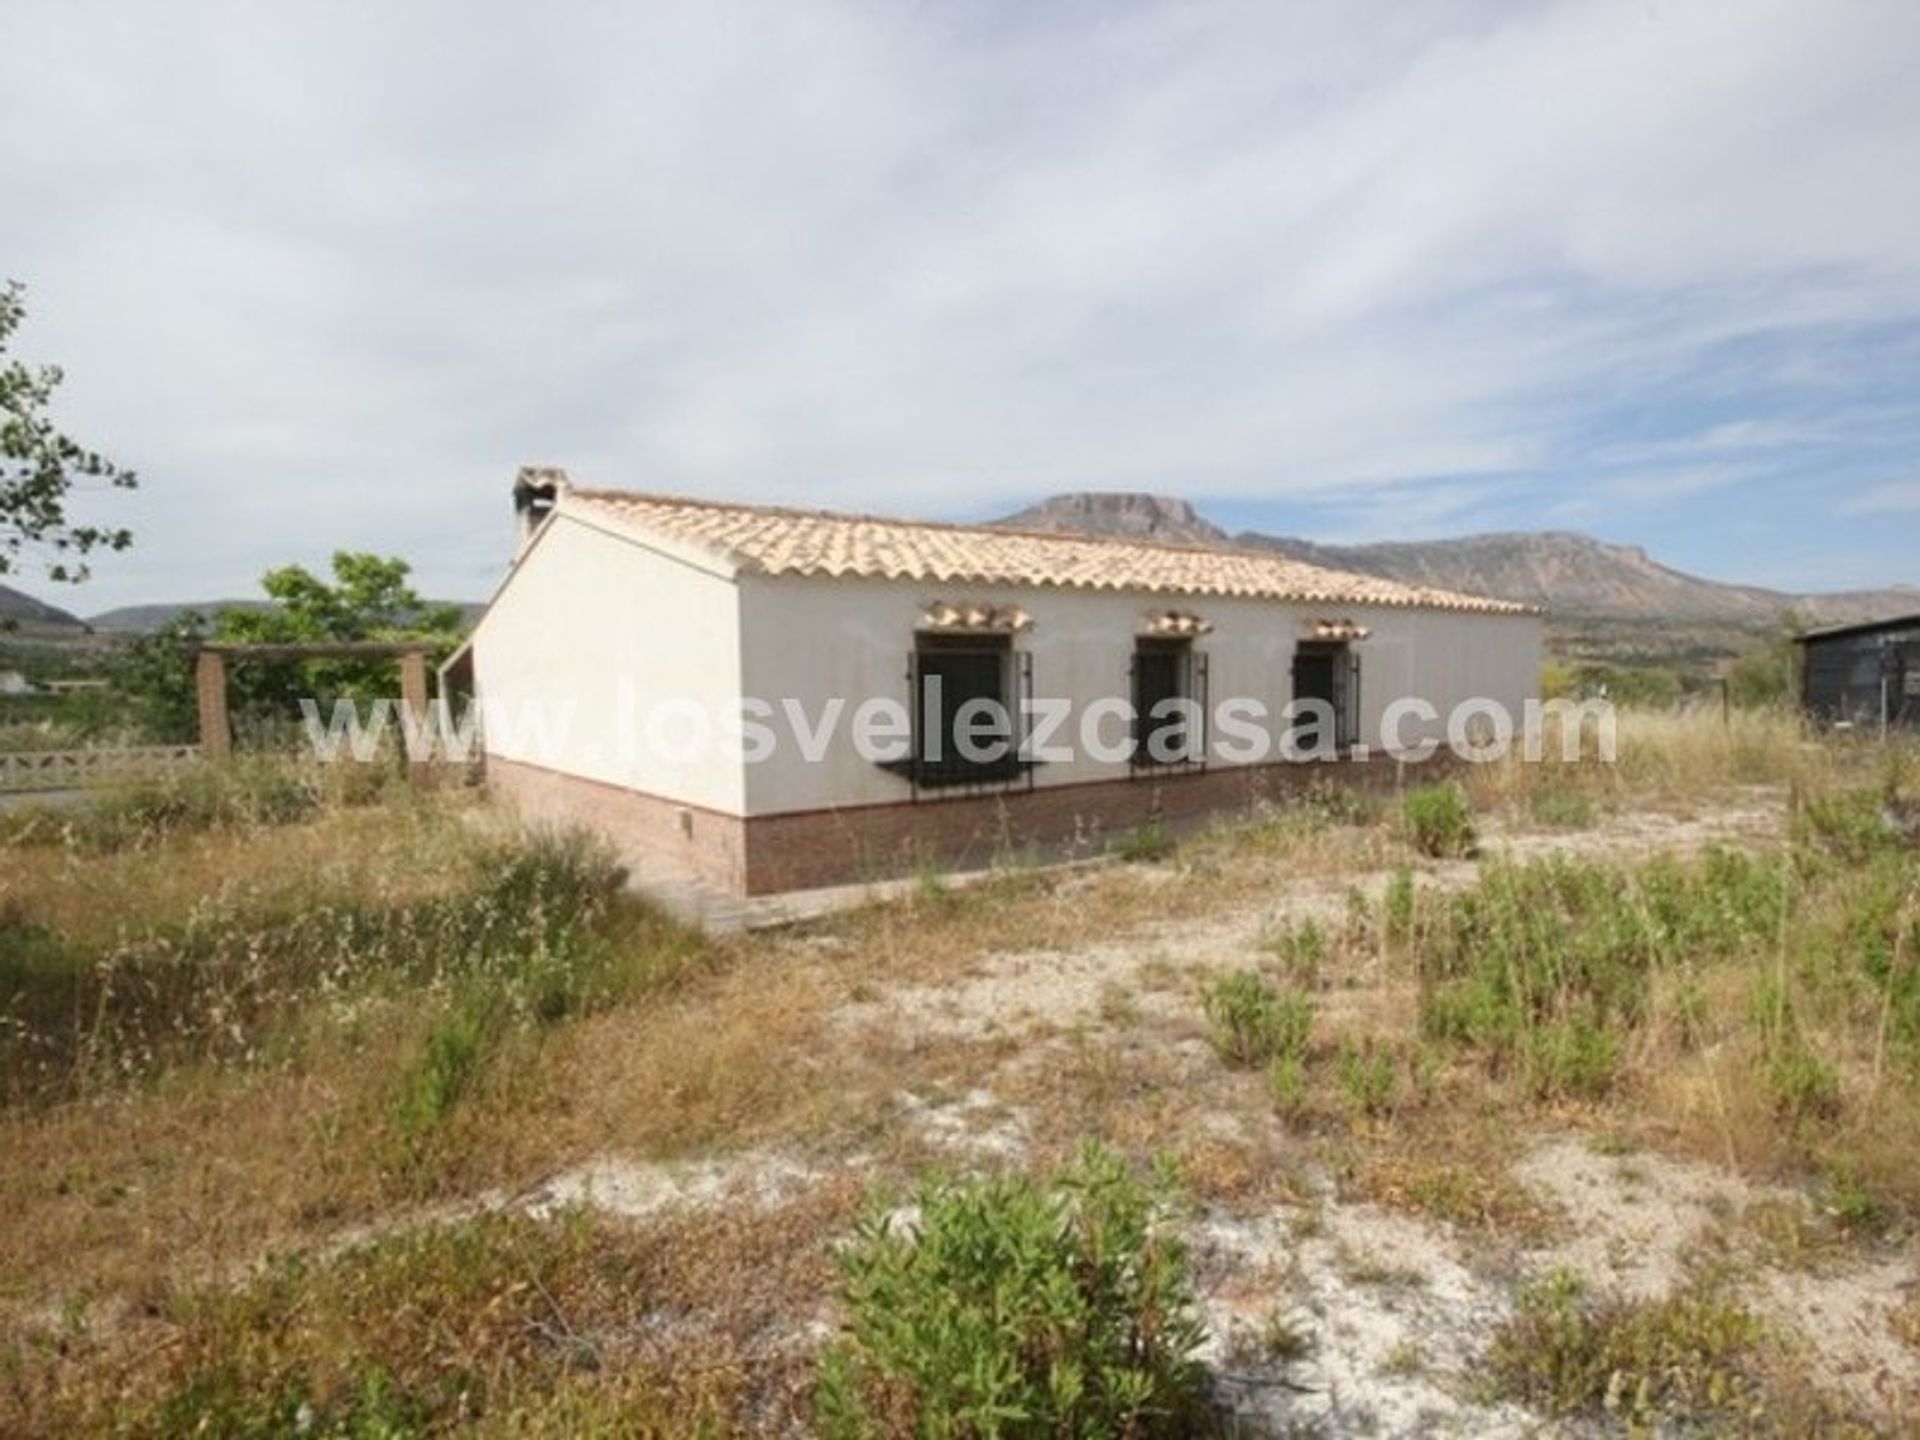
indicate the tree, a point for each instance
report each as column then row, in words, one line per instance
column 1763, row 674
column 40, row 465
column 369, row 598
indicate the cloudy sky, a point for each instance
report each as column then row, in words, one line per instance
column 327, row 274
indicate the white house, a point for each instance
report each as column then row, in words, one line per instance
column 764, row 699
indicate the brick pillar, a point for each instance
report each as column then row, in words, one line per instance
column 413, row 695
column 210, row 686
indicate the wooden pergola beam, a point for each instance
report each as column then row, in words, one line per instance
column 322, row 650
column 210, row 684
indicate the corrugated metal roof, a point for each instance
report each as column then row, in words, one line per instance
column 775, row 540
column 1859, row 627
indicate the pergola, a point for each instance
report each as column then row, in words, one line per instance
column 210, row 682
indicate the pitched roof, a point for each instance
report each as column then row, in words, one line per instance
column 775, row 540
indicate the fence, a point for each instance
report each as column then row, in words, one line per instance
column 25, row 771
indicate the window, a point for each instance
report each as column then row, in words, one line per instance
column 1167, row 672
column 1326, row 681
column 965, row 729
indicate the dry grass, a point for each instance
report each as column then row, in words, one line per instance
column 134, row 1203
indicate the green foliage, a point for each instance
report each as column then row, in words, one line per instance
column 447, row 1065
column 1370, row 1076
column 1762, row 674
column 1302, row 950
column 1652, row 686
column 1545, row 965
column 39, row 466
column 1397, row 907
column 1014, row 1307
column 1252, row 1021
column 152, row 678
column 1438, row 820
column 368, row 599
column 1847, row 825
column 1570, row 1057
column 1145, row 843
column 1803, row 1085
column 1287, row 1084
column 1690, row 1357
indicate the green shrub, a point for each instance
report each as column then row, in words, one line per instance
column 1016, row 1308
column 1287, row 1084
column 1370, row 1076
column 1546, row 964
column 1847, row 825
column 1571, row 1057
column 1253, row 1021
column 1301, row 949
column 1803, row 1086
column 1438, row 820
column 1144, row 843
column 448, row 1063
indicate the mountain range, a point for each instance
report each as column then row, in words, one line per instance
column 1601, row 597
column 1574, row 578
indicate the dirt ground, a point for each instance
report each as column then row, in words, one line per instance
column 998, row 1057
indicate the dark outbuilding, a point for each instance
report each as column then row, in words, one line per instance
column 1863, row 675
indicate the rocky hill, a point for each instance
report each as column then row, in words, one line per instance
column 1573, row 577
column 145, row 619
column 20, row 613
column 1146, row 517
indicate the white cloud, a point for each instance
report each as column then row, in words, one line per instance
column 1893, row 497
column 328, row 273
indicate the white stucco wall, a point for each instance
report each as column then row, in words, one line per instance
column 594, row 630
column 812, row 640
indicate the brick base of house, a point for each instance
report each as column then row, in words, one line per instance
column 659, row 840
column 662, row 840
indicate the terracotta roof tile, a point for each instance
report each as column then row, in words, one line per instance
column 778, row 541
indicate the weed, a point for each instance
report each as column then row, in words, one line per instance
column 1301, row 950
column 1018, row 1307
column 1405, row 1360
column 1854, row 1207
column 1368, row 1268
column 1145, row 843
column 531, row 919
column 1370, row 1076
column 1397, row 907
column 1438, row 820
column 1688, row 1358
column 1475, row 1197
column 1253, row 1022
column 1284, row 1338
column 1570, row 1058
column 1287, row 1085
column 1803, row 1086
column 252, row 791
column 448, row 1062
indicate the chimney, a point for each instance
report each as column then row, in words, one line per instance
column 536, row 489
